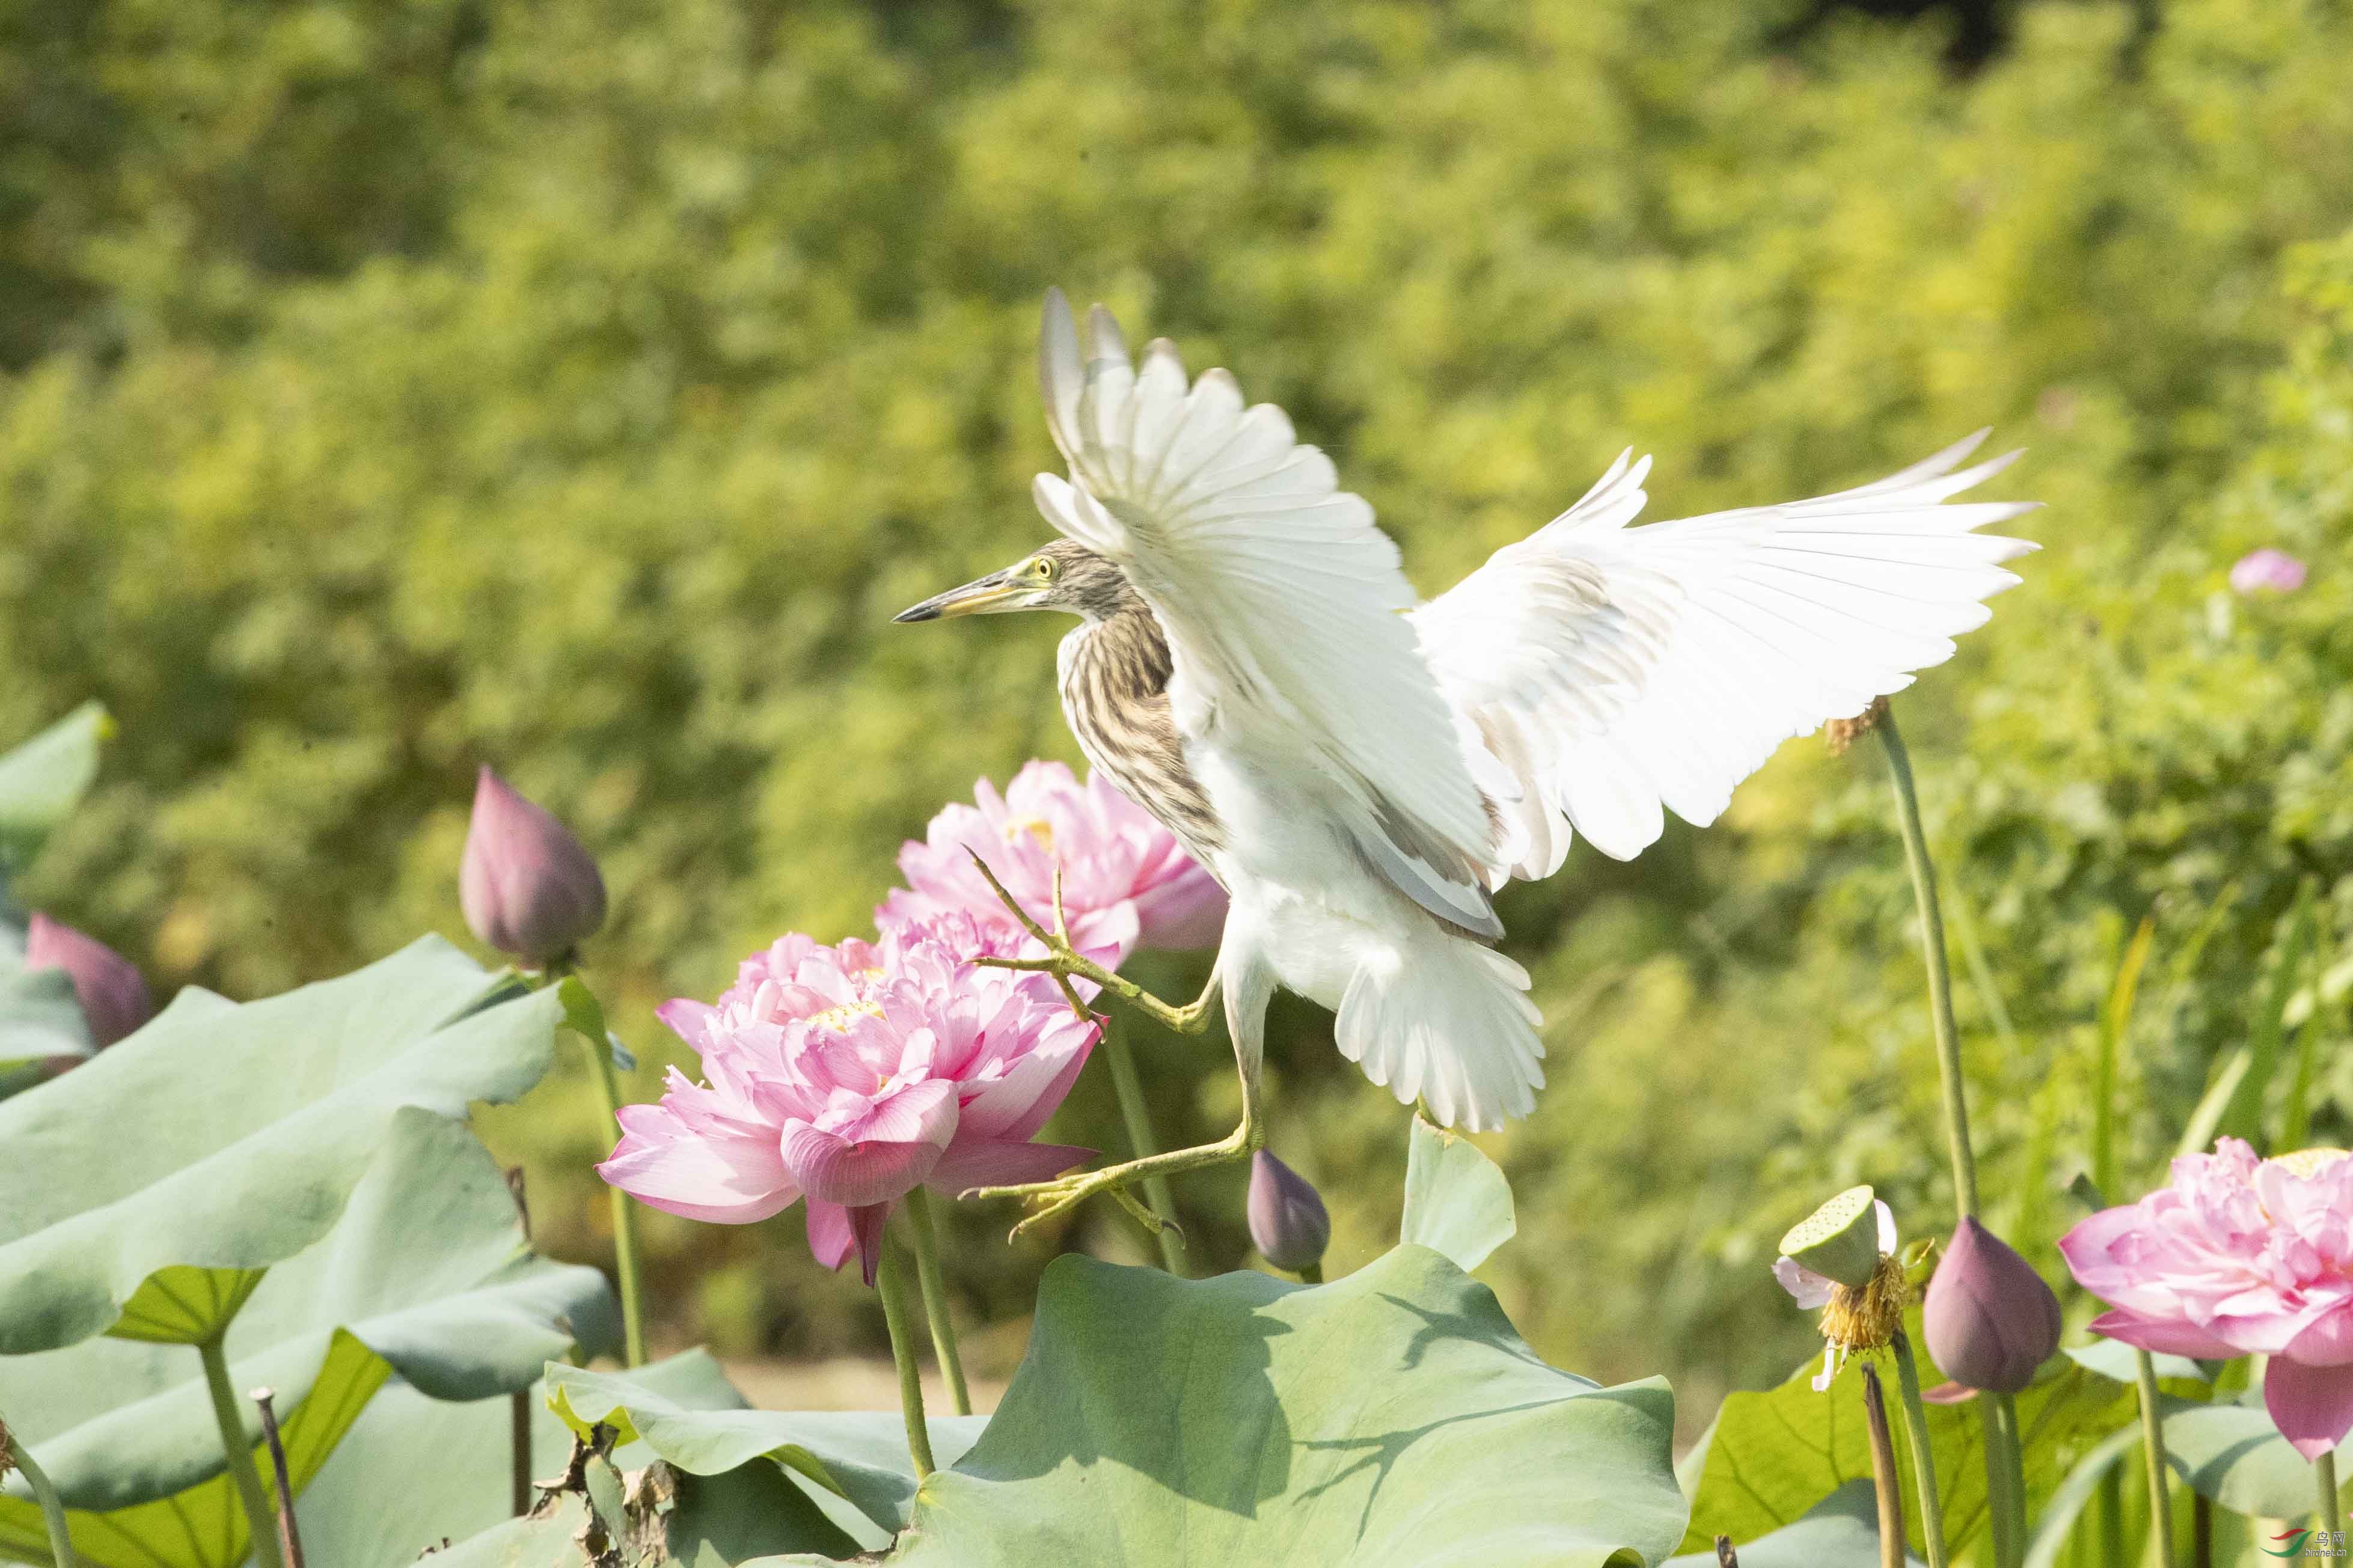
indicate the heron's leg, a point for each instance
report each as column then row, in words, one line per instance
column 1245, row 999
column 1066, row 962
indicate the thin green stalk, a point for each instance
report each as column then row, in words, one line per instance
column 2323, row 1470
column 585, row 1016
column 1312, row 1275
column 1940, row 978
column 1924, row 1462
column 2005, row 1479
column 2152, row 1448
column 45, row 1493
column 625, row 1220
column 1133, row 1110
column 2112, row 1519
column 935, row 1298
column 893, row 1291
column 1884, row 1480
column 261, row 1524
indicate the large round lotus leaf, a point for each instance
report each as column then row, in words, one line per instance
column 1839, row 1531
column 859, row 1456
column 415, row 1471
column 426, row 1273
column 1391, row 1419
column 229, row 1137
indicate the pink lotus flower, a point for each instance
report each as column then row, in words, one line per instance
column 2239, row 1256
column 1126, row 882
column 850, row 1075
column 2274, row 570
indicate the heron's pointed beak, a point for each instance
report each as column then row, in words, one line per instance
column 981, row 596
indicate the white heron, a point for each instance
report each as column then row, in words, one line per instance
column 1361, row 769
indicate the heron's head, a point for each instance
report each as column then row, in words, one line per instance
column 1060, row 576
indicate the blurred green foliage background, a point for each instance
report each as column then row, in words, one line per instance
column 387, row 388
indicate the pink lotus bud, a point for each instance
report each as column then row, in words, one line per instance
column 1287, row 1220
column 527, row 886
column 1989, row 1319
column 113, row 995
column 2267, row 568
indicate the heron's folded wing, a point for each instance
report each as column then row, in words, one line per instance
column 1617, row 671
column 1284, row 605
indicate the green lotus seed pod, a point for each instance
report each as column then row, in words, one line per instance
column 1840, row 1240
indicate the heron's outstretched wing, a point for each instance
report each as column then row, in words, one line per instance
column 1618, row 671
column 1284, row 605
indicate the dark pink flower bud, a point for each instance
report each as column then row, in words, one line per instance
column 527, row 886
column 1287, row 1219
column 1989, row 1319
column 113, row 995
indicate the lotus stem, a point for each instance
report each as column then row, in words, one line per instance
column 2005, row 1461
column 893, row 1291
column 2202, row 1532
column 1882, row 1471
column 519, row 1408
column 1312, row 1275
column 290, row 1538
column 239, row 1450
column 2323, row 1470
column 594, row 1038
column 45, row 1493
column 1133, row 1110
column 935, row 1298
column 1923, row 1461
column 2152, row 1445
column 2005, row 1479
column 1940, row 977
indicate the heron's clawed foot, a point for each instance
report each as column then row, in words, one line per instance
column 1065, row 962
column 1047, row 1199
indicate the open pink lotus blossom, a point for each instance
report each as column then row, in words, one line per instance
column 2274, row 571
column 1126, row 882
column 2239, row 1256
column 850, row 1075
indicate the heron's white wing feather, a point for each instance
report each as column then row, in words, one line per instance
column 1623, row 672
column 1284, row 606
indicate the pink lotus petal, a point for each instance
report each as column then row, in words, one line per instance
column 2311, row 1405
column 1808, row 1288
column 981, row 1163
column 832, row 1168
column 724, row 1181
column 2267, row 570
column 2163, row 1336
column 1949, row 1393
column 829, row 1234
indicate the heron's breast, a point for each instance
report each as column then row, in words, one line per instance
column 1114, row 682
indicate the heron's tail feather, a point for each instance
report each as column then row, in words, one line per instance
column 1447, row 1022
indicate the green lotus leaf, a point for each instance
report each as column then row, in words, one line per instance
column 1456, row 1199
column 858, row 1456
column 415, row 1471
column 1392, row 1417
column 1839, row 1531
column 275, row 1109
column 1772, row 1457
column 42, row 780
column 2232, row 1454
column 426, row 1273
column 39, row 1018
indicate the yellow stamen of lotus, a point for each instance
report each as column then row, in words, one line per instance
column 2307, row 1163
column 838, row 1019
column 1860, row 1321
column 1036, row 827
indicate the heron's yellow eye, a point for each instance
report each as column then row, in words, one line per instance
column 1045, row 568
